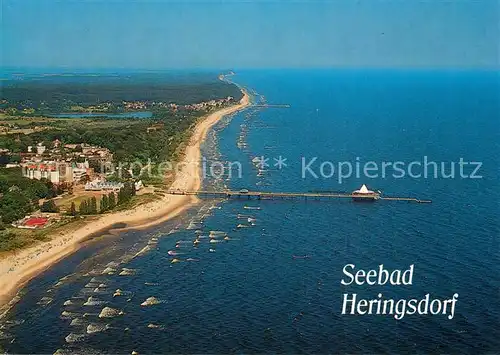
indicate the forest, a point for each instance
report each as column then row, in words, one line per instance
column 53, row 95
column 20, row 195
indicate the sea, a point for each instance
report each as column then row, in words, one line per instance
column 265, row 276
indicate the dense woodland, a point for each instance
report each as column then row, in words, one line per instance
column 20, row 195
column 55, row 96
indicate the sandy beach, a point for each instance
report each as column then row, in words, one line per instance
column 18, row 268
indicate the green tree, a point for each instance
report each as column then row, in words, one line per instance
column 59, row 189
column 126, row 193
column 4, row 184
column 49, row 206
column 121, row 196
column 83, row 207
column 132, row 189
column 14, row 205
column 93, row 205
column 72, row 210
column 111, row 200
column 51, row 188
column 104, row 204
column 34, row 191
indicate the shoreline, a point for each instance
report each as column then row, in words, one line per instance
column 18, row 268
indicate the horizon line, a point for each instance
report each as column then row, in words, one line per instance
column 245, row 68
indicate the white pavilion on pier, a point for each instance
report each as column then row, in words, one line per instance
column 363, row 190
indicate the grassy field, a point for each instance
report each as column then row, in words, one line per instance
column 64, row 203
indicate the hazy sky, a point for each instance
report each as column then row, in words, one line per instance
column 226, row 34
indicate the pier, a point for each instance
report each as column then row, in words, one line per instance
column 261, row 195
column 272, row 105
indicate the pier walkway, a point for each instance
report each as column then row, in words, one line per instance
column 272, row 105
column 261, row 195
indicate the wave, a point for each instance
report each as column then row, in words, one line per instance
column 127, row 272
column 243, row 216
column 96, row 328
column 109, row 270
column 108, row 312
column 67, row 314
column 74, row 337
column 93, row 301
column 91, row 285
column 217, row 233
column 5, row 336
column 44, row 301
column 193, row 225
column 142, row 251
column 76, row 322
column 150, row 301
column 151, row 283
column 153, row 241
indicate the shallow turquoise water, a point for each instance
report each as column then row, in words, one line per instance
column 275, row 285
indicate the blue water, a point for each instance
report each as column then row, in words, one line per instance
column 251, row 295
column 135, row 114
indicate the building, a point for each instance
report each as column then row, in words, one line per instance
column 31, row 222
column 46, row 170
column 63, row 165
column 40, row 148
column 80, row 171
column 71, row 146
column 66, row 173
column 363, row 194
column 98, row 185
column 138, row 185
column 56, row 172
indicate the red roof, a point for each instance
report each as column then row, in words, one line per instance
column 36, row 221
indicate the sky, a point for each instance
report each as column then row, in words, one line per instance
column 250, row 34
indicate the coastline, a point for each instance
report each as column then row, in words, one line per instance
column 16, row 269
